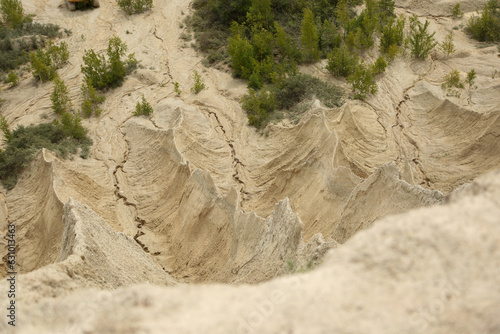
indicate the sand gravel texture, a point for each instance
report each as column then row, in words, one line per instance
column 193, row 194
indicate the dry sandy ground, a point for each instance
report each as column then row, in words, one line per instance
column 194, row 195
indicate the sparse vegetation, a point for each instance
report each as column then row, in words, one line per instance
column 12, row 12
column 12, row 78
column 143, row 108
column 59, row 97
column 285, row 95
column 135, row 6
column 457, row 12
column 104, row 73
column 44, row 63
column 420, row 41
column 199, row 84
column 63, row 138
column 447, row 46
column 486, row 28
column 177, row 89
column 91, row 100
column 362, row 82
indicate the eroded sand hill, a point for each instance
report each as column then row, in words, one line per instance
column 195, row 195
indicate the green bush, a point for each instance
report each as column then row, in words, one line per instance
column 104, row 73
column 59, row 97
column 452, row 80
column 177, row 89
column 420, row 41
column 447, row 46
column 199, row 85
column 298, row 88
column 379, row 66
column 12, row 78
column 17, row 43
column 44, row 63
column 486, row 28
column 471, row 78
column 341, row 63
column 91, row 100
column 392, row 35
column 143, row 108
column 258, row 105
column 135, row 6
column 362, row 82
column 12, row 12
column 456, row 12
column 24, row 142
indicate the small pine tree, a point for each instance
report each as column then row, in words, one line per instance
column 12, row 12
column 12, row 78
column 259, row 14
column 91, row 100
column 177, row 90
column 379, row 66
column 471, row 78
column 309, row 37
column 241, row 51
column 199, row 85
column 60, row 97
column 457, row 12
column 447, row 45
column 420, row 41
column 143, row 108
column 362, row 82
column 341, row 63
column 342, row 15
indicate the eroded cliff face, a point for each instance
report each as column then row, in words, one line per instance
column 195, row 195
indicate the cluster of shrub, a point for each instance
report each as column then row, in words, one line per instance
column 19, row 36
column 486, row 27
column 268, row 39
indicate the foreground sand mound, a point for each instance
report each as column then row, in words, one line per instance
column 379, row 272
column 91, row 255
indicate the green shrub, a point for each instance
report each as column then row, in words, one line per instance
column 143, row 108
column 104, row 73
column 59, row 97
column 379, row 66
column 341, row 63
column 258, row 105
column 199, row 85
column 24, row 142
column 17, row 43
column 420, row 41
column 91, row 100
column 44, row 63
column 486, row 28
column 135, row 6
column 452, row 79
column 362, row 82
column 297, row 88
column 12, row 12
column 392, row 35
column 447, row 45
column 177, row 90
column 471, row 78
column 456, row 12
column 242, row 53
column 12, row 78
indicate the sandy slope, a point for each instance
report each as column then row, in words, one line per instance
column 210, row 199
